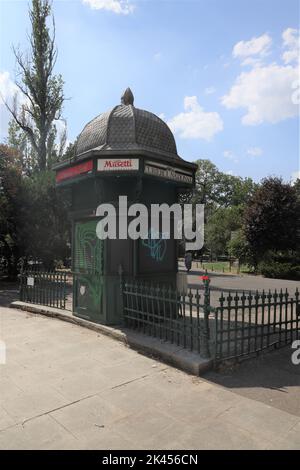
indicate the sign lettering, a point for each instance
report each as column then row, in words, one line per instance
column 121, row 164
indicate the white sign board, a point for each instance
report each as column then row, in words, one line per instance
column 30, row 281
column 118, row 164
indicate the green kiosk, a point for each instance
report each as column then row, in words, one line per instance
column 130, row 152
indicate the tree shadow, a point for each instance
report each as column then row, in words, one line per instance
column 272, row 369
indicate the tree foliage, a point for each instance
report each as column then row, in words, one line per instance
column 41, row 89
column 220, row 227
column 215, row 189
column 224, row 197
column 43, row 220
column 10, row 182
column 33, row 215
column 271, row 219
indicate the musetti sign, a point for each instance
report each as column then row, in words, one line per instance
column 120, row 164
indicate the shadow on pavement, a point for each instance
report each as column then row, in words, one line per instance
column 271, row 378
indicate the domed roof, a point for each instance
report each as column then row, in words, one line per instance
column 126, row 128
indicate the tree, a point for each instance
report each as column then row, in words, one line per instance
column 43, row 220
column 41, row 89
column 224, row 197
column 10, row 184
column 219, row 228
column 215, row 189
column 238, row 247
column 18, row 140
column 271, row 219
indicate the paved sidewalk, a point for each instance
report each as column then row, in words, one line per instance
column 64, row 386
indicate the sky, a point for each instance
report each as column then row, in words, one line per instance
column 223, row 74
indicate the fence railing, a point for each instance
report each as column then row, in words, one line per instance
column 177, row 317
column 241, row 324
column 44, row 288
column 248, row 323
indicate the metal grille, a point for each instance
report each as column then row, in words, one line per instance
column 44, row 288
column 250, row 323
column 178, row 318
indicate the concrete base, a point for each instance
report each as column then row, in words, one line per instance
column 169, row 353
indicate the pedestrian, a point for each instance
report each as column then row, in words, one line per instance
column 188, row 260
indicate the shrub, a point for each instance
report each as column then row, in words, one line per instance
column 276, row 270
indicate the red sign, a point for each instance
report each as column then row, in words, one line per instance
column 73, row 171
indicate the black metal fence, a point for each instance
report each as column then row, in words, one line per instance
column 238, row 326
column 177, row 317
column 241, row 324
column 44, row 288
column 251, row 322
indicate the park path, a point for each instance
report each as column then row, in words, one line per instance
column 64, row 386
column 237, row 283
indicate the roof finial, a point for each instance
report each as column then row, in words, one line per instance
column 127, row 97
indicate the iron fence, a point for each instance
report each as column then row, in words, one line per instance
column 44, row 288
column 177, row 317
column 241, row 324
column 251, row 322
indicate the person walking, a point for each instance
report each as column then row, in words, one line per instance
column 188, row 261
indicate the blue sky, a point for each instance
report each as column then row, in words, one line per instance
column 222, row 73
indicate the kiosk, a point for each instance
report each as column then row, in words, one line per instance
column 123, row 152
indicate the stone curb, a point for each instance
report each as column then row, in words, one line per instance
column 171, row 354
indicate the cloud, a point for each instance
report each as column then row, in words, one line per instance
column 266, row 93
column 255, row 151
column 210, row 90
column 255, row 47
column 230, row 156
column 8, row 91
column 291, row 42
column 120, row 7
column 7, row 87
column 252, row 61
column 194, row 122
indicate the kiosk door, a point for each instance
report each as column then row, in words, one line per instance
column 88, row 271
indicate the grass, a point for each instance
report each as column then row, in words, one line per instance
column 222, row 267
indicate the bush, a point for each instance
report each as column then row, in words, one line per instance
column 295, row 272
column 276, row 270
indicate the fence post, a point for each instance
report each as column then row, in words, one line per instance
column 206, row 311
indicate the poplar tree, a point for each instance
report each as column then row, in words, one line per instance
column 41, row 90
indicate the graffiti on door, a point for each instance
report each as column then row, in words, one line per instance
column 156, row 244
column 89, row 263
